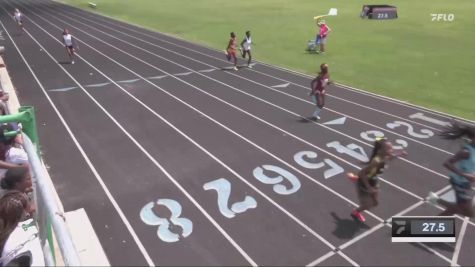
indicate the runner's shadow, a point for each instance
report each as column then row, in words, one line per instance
column 347, row 228
column 305, row 120
column 232, row 68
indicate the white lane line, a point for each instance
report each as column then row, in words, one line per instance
column 344, row 256
column 388, row 223
column 361, row 236
column 151, row 158
column 157, row 77
column 285, row 85
column 287, row 94
column 388, row 99
column 183, row 73
column 382, row 179
column 237, row 134
column 84, row 155
column 321, row 259
column 252, row 115
column 64, row 89
column 206, row 71
column 360, row 91
column 97, row 84
column 458, row 245
column 129, row 81
column 339, row 121
column 278, row 206
column 232, row 131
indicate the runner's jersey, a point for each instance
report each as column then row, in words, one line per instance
column 247, row 43
column 18, row 16
column 232, row 44
column 466, row 166
column 68, row 39
column 319, row 86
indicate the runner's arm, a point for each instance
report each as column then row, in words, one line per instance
column 450, row 164
column 363, row 174
column 229, row 45
column 6, row 165
column 313, row 85
column 75, row 44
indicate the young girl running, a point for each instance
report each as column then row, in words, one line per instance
column 18, row 16
column 70, row 44
column 462, row 166
column 231, row 50
column 367, row 178
column 246, row 48
column 318, row 90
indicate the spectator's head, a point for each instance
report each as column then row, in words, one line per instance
column 14, row 208
column 17, row 178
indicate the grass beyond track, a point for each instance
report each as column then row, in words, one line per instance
column 411, row 58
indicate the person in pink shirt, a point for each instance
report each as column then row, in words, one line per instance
column 322, row 36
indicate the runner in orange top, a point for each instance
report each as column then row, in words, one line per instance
column 231, row 50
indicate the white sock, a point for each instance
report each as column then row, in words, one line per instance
column 317, row 111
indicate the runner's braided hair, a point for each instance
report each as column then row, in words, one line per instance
column 457, row 130
column 378, row 145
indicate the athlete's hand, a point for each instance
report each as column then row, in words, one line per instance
column 469, row 176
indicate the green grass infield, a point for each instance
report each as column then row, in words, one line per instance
column 412, row 58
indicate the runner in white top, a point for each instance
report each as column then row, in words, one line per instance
column 69, row 43
column 18, row 16
column 246, row 48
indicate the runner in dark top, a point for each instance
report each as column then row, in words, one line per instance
column 367, row 185
column 318, row 90
column 462, row 167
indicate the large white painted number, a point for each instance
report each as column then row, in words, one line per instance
column 352, row 150
column 378, row 134
column 423, row 117
column 335, row 169
column 149, row 217
column 375, row 133
column 223, row 188
column 276, row 181
column 299, row 158
column 425, row 133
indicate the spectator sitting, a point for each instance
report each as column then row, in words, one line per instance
column 18, row 179
column 3, row 100
column 10, row 156
column 17, row 233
